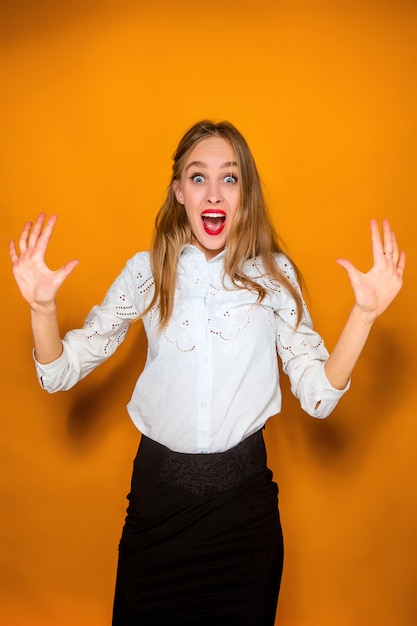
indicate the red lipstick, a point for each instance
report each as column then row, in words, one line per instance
column 214, row 221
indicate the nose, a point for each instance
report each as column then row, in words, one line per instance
column 214, row 194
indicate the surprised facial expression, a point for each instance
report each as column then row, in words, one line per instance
column 210, row 192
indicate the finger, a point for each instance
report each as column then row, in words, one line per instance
column 62, row 274
column 395, row 252
column 401, row 263
column 23, row 240
column 66, row 269
column 36, row 230
column 348, row 267
column 344, row 263
column 12, row 251
column 388, row 238
column 376, row 242
column 46, row 233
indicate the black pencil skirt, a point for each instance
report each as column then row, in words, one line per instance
column 202, row 542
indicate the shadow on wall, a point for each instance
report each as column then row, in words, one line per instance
column 378, row 388
column 100, row 404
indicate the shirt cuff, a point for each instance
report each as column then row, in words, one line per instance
column 324, row 397
column 48, row 371
column 328, row 389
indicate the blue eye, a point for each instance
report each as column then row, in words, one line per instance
column 197, row 178
column 230, row 180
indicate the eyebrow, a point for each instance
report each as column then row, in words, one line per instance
column 204, row 165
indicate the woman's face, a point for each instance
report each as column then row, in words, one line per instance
column 210, row 192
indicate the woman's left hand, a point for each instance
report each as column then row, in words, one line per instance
column 375, row 290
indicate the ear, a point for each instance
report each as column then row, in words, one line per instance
column 176, row 187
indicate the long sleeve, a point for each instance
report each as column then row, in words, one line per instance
column 103, row 331
column 303, row 355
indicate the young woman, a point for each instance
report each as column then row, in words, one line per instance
column 202, row 541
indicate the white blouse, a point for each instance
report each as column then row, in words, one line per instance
column 211, row 375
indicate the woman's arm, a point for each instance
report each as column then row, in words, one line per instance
column 39, row 285
column 373, row 293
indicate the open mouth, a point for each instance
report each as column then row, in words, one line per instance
column 213, row 222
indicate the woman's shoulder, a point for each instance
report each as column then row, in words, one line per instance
column 135, row 279
column 256, row 266
column 286, row 266
column 141, row 261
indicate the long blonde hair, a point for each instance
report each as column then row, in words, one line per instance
column 252, row 233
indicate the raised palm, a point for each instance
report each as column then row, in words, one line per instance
column 375, row 290
column 37, row 283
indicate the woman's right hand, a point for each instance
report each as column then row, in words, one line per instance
column 37, row 283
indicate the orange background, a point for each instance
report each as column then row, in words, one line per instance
column 95, row 96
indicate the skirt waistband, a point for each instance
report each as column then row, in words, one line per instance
column 203, row 474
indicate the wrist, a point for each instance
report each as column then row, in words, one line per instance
column 363, row 316
column 43, row 308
